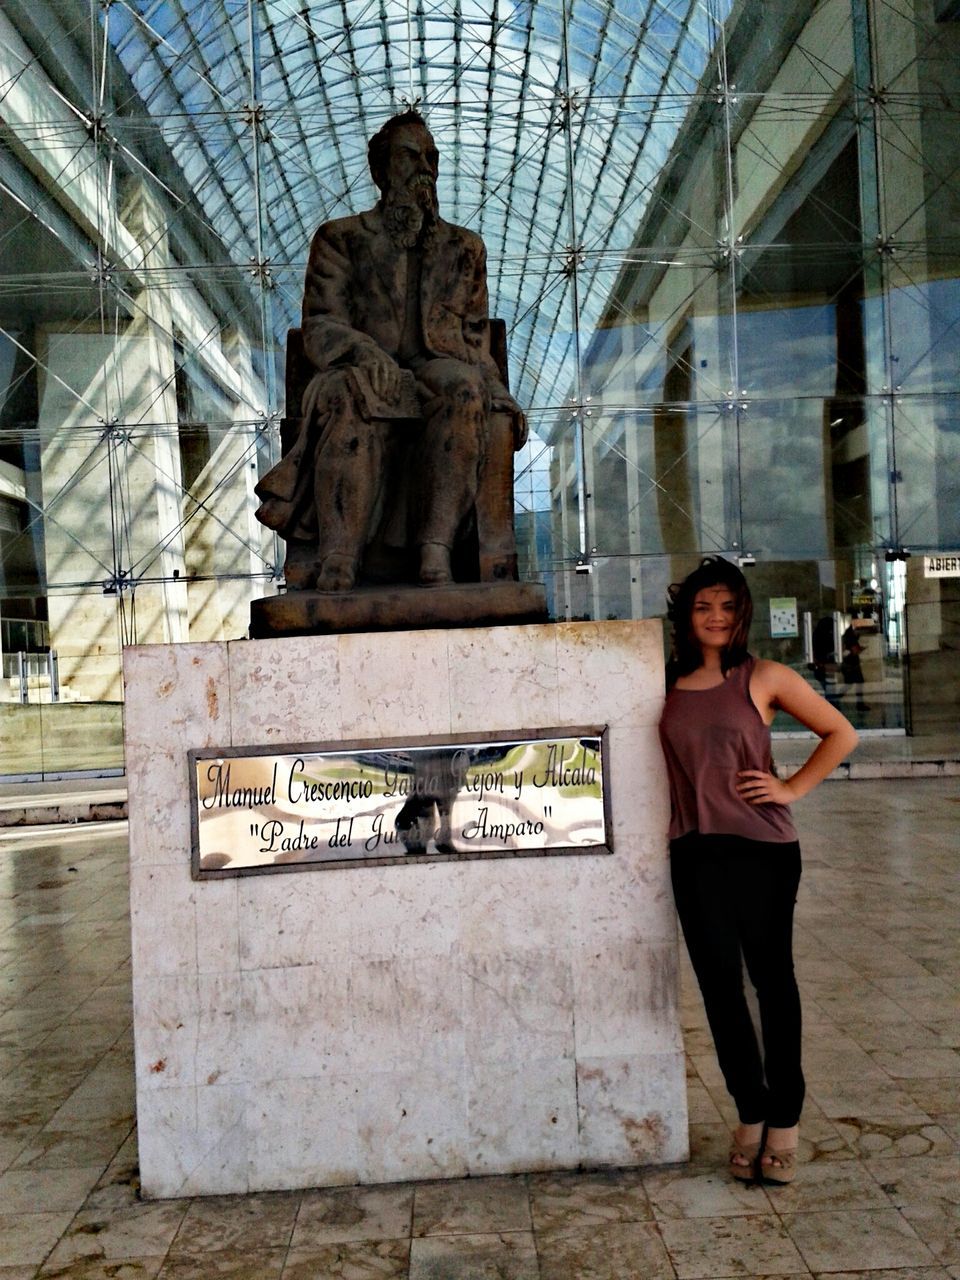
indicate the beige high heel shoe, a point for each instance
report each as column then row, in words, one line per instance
column 750, row 1152
column 783, row 1172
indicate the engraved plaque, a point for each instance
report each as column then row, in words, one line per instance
column 374, row 803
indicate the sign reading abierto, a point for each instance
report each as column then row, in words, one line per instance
column 941, row 566
column 254, row 810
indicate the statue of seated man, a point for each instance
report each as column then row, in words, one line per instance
column 395, row 323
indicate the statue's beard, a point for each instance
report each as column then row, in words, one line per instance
column 410, row 211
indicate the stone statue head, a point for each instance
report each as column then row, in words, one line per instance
column 404, row 163
column 403, row 144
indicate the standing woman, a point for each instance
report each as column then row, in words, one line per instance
column 734, row 855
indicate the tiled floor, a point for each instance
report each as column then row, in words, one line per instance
column 878, row 1194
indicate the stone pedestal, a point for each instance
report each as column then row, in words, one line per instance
column 390, row 608
column 414, row 1021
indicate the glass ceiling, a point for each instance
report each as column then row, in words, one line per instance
column 553, row 118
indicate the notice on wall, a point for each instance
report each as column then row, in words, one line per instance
column 941, row 566
column 783, row 617
column 254, row 810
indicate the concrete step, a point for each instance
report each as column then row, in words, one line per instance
column 24, row 804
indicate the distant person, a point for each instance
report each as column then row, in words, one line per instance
column 734, row 855
column 850, row 667
column 825, row 656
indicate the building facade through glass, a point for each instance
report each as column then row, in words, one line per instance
column 724, row 238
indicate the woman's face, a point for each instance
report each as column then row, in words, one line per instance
column 713, row 617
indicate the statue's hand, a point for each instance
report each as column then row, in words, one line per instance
column 521, row 429
column 382, row 372
column 507, row 404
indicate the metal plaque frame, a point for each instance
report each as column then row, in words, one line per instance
column 427, row 780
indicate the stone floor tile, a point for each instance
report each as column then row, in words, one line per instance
column 730, row 1246
column 938, row 1226
column 707, row 1068
column 610, row 1251
column 709, row 1146
column 66, row 1149
column 476, row 1206
column 849, row 1239
column 689, row 1193
column 119, row 1187
column 29, row 1237
column 890, row 1139
column 352, row 1213
column 820, row 1137
column 921, row 1180
column 839, row 1057
column 87, row 1269
column 920, row 1064
column 12, row 1145
column 867, row 1100
column 870, row 931
column 35, row 1104
column 946, row 1030
column 701, row 1108
column 696, row 1038
column 139, row 1232
column 884, row 964
column 351, row 1260
column 50, row 1190
column 910, row 988
column 816, row 965
column 871, row 1036
column 926, row 1190
column 836, row 1185
column 231, row 1264
column 936, row 1097
column 234, row 1224
column 96, row 1036
column 901, row 1273
column 501, row 1256
column 570, row 1202
column 859, row 1004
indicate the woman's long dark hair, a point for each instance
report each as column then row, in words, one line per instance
column 713, row 571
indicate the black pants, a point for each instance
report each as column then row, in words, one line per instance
column 734, row 897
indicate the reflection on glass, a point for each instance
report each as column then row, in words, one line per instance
column 468, row 800
column 685, row 206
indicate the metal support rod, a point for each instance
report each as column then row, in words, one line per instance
column 867, row 99
column 579, row 427
column 732, row 246
column 263, row 283
column 53, row 674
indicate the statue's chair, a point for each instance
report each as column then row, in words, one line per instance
column 485, row 549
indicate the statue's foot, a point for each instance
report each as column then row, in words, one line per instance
column 435, row 564
column 300, row 573
column 337, row 573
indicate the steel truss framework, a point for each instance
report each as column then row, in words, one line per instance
column 176, row 156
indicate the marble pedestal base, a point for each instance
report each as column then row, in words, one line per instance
column 405, row 1022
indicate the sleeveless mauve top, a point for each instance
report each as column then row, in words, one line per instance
column 708, row 735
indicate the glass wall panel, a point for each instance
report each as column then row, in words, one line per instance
column 724, row 241
column 841, row 632
column 927, row 433
column 668, row 333
column 932, row 637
